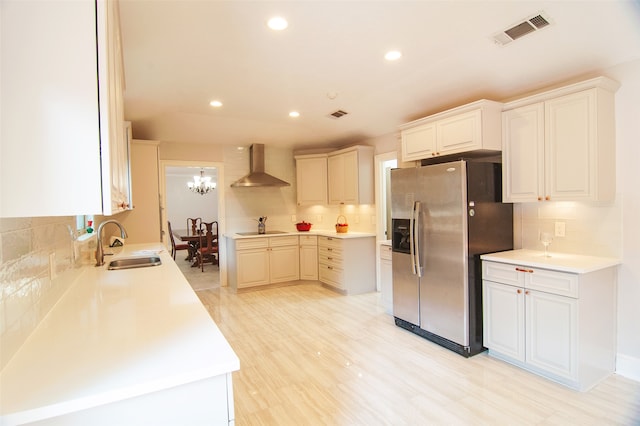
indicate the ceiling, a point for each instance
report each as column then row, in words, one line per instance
column 181, row 54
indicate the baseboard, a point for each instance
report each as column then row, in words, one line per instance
column 628, row 367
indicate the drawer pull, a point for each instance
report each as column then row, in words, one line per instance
column 530, row 271
column 329, row 249
column 329, row 267
column 329, row 258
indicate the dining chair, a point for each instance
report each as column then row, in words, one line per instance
column 175, row 247
column 193, row 224
column 208, row 250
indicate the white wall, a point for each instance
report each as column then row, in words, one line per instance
column 182, row 203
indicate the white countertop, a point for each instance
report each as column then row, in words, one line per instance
column 114, row 335
column 574, row 263
column 325, row 233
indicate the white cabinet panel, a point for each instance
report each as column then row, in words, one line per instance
column 472, row 127
column 308, row 257
column 252, row 267
column 311, row 177
column 504, row 319
column 552, row 336
column 57, row 129
column 560, row 145
column 350, row 173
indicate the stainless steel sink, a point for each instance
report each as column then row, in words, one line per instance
column 256, row 233
column 134, row 262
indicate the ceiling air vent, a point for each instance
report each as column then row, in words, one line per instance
column 339, row 113
column 529, row 25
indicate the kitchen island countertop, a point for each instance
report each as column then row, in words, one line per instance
column 113, row 336
column 574, row 263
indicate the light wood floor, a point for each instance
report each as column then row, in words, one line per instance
column 309, row 356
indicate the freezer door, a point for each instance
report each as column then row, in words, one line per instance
column 403, row 187
column 405, row 289
column 444, row 303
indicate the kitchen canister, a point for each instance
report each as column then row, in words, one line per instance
column 341, row 225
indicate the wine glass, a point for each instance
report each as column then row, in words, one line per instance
column 546, row 238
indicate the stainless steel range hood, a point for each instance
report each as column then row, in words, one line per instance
column 257, row 176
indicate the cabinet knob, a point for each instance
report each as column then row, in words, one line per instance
column 547, row 198
column 519, row 291
column 526, row 292
column 539, row 198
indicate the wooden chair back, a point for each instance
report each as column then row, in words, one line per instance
column 208, row 250
column 193, row 224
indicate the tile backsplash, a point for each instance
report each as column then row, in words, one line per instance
column 37, row 265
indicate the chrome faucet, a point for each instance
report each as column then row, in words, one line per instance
column 99, row 249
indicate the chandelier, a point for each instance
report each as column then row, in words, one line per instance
column 201, row 184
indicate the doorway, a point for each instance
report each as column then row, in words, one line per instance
column 177, row 203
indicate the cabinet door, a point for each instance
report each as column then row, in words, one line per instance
column 50, row 162
column 552, row 333
column 343, row 178
column 459, row 133
column 386, row 278
column 335, row 169
column 523, row 154
column 570, row 151
column 284, row 264
column 419, row 142
column 311, row 176
column 252, row 267
column 308, row 262
column 503, row 319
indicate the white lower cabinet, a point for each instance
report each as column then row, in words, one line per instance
column 557, row 324
column 386, row 278
column 308, row 257
column 347, row 264
column 264, row 260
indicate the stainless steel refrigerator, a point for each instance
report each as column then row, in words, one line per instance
column 444, row 216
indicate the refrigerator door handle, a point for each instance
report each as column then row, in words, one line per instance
column 415, row 238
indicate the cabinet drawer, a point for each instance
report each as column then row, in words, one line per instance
column 289, row 240
column 252, row 243
column 329, row 242
column 503, row 273
column 385, row 252
column 331, row 275
column 329, row 259
column 554, row 282
column 330, row 253
column 308, row 240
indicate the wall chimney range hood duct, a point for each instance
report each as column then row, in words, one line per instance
column 257, row 177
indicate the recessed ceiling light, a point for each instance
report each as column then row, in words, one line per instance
column 277, row 23
column 294, row 114
column 393, row 55
column 215, row 104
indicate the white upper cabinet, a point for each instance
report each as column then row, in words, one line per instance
column 560, row 145
column 472, row 127
column 311, row 179
column 350, row 175
column 62, row 126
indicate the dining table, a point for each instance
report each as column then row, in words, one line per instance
column 190, row 238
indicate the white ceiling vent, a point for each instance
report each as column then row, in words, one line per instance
column 339, row 113
column 529, row 25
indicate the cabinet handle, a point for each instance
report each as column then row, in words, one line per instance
column 519, row 291
column 539, row 198
column 526, row 292
column 329, row 249
column 329, row 267
column 530, row 271
column 329, row 258
column 547, row 198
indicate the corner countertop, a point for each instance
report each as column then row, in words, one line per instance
column 320, row 232
column 114, row 335
column 574, row 263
